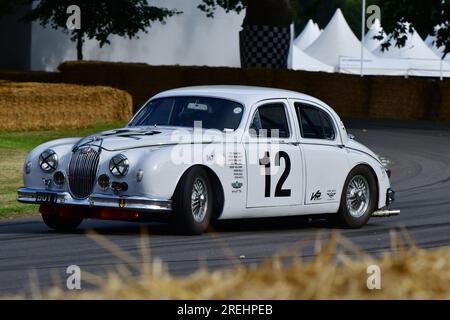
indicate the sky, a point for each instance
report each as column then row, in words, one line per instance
column 186, row 39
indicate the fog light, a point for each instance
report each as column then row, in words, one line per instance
column 103, row 181
column 59, row 178
column 119, row 186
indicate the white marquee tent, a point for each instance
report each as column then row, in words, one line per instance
column 335, row 42
column 302, row 61
column 309, row 34
column 338, row 47
column 430, row 41
column 415, row 48
column 369, row 42
column 419, row 58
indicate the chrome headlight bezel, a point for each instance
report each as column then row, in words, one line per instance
column 48, row 161
column 119, row 165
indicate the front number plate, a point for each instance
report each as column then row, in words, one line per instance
column 44, row 197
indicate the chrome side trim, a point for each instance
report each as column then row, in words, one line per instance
column 142, row 204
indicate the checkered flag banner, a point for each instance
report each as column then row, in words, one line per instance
column 264, row 46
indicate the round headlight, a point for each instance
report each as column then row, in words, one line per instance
column 48, row 160
column 119, row 165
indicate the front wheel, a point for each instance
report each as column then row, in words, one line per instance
column 61, row 224
column 358, row 198
column 193, row 202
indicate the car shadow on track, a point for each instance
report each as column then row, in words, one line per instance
column 118, row 228
column 228, row 226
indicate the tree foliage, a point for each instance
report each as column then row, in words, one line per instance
column 100, row 18
column 8, row 6
column 301, row 11
column 258, row 12
column 210, row 6
column 401, row 17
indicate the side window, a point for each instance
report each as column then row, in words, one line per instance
column 314, row 123
column 268, row 118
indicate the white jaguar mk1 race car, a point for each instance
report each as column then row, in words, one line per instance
column 194, row 155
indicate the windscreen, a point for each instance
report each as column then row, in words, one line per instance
column 213, row 113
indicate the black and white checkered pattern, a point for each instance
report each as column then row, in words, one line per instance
column 264, row 47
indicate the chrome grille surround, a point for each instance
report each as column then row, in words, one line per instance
column 83, row 172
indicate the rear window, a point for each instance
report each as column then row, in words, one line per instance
column 314, row 123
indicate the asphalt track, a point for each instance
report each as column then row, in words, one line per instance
column 420, row 156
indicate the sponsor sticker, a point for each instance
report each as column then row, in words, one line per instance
column 331, row 194
column 316, row 196
column 237, row 110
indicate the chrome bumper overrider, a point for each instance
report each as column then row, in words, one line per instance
column 27, row 195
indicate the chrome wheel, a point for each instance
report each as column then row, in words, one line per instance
column 358, row 196
column 199, row 200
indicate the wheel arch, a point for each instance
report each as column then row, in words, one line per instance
column 377, row 180
column 219, row 195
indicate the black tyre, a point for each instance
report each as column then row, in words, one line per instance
column 193, row 202
column 359, row 197
column 62, row 224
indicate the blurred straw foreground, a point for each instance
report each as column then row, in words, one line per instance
column 338, row 271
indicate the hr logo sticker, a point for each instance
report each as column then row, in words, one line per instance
column 316, row 196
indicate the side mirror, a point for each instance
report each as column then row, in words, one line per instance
column 351, row 136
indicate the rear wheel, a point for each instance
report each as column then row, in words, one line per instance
column 358, row 198
column 63, row 224
column 193, row 202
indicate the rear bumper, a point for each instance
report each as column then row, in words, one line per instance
column 140, row 204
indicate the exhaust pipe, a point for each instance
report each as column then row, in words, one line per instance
column 385, row 213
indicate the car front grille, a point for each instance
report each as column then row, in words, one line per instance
column 82, row 172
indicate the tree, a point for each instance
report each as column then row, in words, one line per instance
column 258, row 12
column 400, row 17
column 99, row 19
column 8, row 6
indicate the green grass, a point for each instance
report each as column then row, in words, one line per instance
column 27, row 140
column 14, row 147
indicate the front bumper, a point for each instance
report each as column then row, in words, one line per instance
column 390, row 196
column 140, row 204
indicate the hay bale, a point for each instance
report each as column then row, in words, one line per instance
column 339, row 270
column 31, row 106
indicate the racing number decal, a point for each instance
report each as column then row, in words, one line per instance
column 265, row 161
column 279, row 191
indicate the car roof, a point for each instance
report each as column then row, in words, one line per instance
column 244, row 94
column 248, row 96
